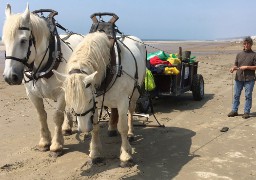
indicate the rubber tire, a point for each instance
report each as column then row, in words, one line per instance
column 198, row 87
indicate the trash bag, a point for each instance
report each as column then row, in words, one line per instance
column 149, row 81
column 173, row 55
column 161, row 54
column 174, row 61
column 171, row 71
column 192, row 59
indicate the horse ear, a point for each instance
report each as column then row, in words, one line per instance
column 26, row 14
column 89, row 79
column 60, row 76
column 8, row 10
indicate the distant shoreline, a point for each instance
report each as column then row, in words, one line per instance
column 178, row 41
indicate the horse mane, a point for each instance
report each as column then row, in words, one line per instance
column 92, row 54
column 38, row 25
column 74, row 92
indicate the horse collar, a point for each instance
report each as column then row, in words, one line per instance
column 52, row 62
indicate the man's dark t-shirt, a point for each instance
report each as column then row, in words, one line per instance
column 245, row 58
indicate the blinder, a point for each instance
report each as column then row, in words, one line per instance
column 24, row 60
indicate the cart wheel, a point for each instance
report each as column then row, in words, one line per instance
column 143, row 103
column 198, row 87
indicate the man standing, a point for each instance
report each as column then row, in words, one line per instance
column 245, row 66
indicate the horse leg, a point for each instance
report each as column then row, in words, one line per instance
column 131, row 110
column 126, row 150
column 67, row 124
column 95, row 145
column 112, row 124
column 130, row 135
column 57, row 141
column 45, row 135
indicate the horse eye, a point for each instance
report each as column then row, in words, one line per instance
column 23, row 41
column 88, row 85
column 90, row 101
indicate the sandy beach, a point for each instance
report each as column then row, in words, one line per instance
column 190, row 146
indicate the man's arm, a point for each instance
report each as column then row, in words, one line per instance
column 248, row 67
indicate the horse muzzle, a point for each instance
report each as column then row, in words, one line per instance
column 13, row 78
column 84, row 125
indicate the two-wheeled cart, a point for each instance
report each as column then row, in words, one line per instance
column 174, row 85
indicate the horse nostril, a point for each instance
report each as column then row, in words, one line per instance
column 15, row 78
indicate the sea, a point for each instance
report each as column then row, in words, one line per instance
column 153, row 45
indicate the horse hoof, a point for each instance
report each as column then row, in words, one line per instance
column 98, row 161
column 112, row 133
column 43, row 148
column 56, row 154
column 128, row 163
column 130, row 138
column 67, row 132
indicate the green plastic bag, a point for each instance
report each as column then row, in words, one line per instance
column 149, row 81
column 192, row 59
column 173, row 55
column 161, row 54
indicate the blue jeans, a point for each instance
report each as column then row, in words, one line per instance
column 248, row 86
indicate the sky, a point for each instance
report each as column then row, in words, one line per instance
column 152, row 19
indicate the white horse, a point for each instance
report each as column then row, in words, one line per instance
column 27, row 40
column 86, row 70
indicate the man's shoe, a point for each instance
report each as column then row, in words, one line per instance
column 246, row 116
column 232, row 114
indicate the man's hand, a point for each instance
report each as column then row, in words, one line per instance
column 234, row 69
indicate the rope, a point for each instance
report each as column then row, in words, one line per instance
column 145, row 44
column 193, row 153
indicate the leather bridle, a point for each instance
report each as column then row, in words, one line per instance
column 92, row 109
column 31, row 42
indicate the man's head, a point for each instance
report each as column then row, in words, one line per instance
column 247, row 42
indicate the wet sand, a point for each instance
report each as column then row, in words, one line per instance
column 190, row 146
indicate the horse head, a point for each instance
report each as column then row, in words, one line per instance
column 16, row 37
column 86, row 70
column 20, row 43
column 80, row 98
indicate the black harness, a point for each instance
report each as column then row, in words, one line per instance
column 114, row 69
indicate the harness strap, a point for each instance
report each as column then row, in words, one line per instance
column 23, row 61
column 136, row 66
column 54, row 48
column 24, row 28
column 77, row 71
column 86, row 112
